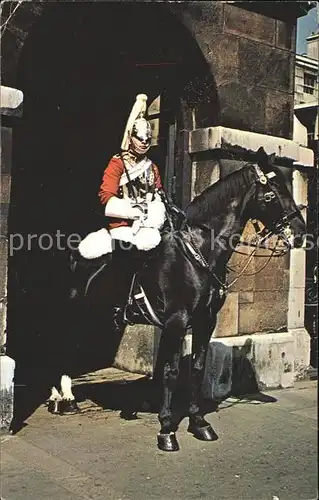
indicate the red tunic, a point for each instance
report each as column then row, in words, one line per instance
column 110, row 187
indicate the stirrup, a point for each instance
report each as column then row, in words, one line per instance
column 126, row 320
column 118, row 317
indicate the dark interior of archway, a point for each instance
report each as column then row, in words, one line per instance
column 80, row 70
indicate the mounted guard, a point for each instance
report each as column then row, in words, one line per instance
column 132, row 195
column 130, row 192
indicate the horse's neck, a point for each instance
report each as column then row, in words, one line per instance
column 222, row 210
column 221, row 237
column 226, row 226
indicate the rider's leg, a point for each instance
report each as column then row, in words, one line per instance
column 129, row 263
column 88, row 260
column 123, row 234
column 145, row 238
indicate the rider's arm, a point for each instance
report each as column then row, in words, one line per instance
column 111, row 180
column 109, row 190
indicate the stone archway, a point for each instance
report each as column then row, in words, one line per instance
column 80, row 69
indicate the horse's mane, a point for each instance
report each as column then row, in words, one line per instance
column 216, row 198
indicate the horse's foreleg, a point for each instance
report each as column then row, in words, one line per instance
column 171, row 341
column 202, row 328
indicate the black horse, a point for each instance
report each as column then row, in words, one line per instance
column 184, row 277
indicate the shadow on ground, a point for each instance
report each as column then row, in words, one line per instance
column 234, row 374
column 41, row 361
column 131, row 397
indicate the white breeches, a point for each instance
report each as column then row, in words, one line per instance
column 101, row 242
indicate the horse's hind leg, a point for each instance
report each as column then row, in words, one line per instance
column 202, row 327
column 171, row 341
column 63, row 402
column 68, row 405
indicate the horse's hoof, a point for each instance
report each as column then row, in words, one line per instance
column 68, row 407
column 54, row 406
column 203, row 433
column 167, row 442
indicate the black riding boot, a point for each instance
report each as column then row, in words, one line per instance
column 84, row 271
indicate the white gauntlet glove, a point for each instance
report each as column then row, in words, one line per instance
column 156, row 214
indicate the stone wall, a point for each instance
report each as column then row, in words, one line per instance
column 251, row 57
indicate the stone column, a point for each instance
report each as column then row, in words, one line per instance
column 297, row 283
column 11, row 101
column 6, row 364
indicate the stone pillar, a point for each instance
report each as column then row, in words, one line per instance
column 11, row 102
column 7, row 364
column 297, row 283
column 138, row 349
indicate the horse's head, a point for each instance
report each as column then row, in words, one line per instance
column 274, row 205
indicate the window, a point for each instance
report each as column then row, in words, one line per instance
column 309, row 83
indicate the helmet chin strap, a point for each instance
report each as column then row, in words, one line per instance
column 135, row 149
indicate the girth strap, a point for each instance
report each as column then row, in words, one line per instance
column 143, row 304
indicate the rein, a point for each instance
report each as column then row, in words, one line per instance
column 199, row 257
column 261, row 235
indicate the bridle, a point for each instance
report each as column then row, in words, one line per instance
column 281, row 228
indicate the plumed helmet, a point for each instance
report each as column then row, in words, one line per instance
column 136, row 125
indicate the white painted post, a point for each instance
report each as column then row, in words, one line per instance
column 7, row 366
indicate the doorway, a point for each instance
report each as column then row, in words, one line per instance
column 80, row 69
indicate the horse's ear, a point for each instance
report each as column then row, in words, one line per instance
column 262, row 158
column 272, row 158
column 261, row 154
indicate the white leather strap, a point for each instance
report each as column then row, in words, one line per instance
column 135, row 171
